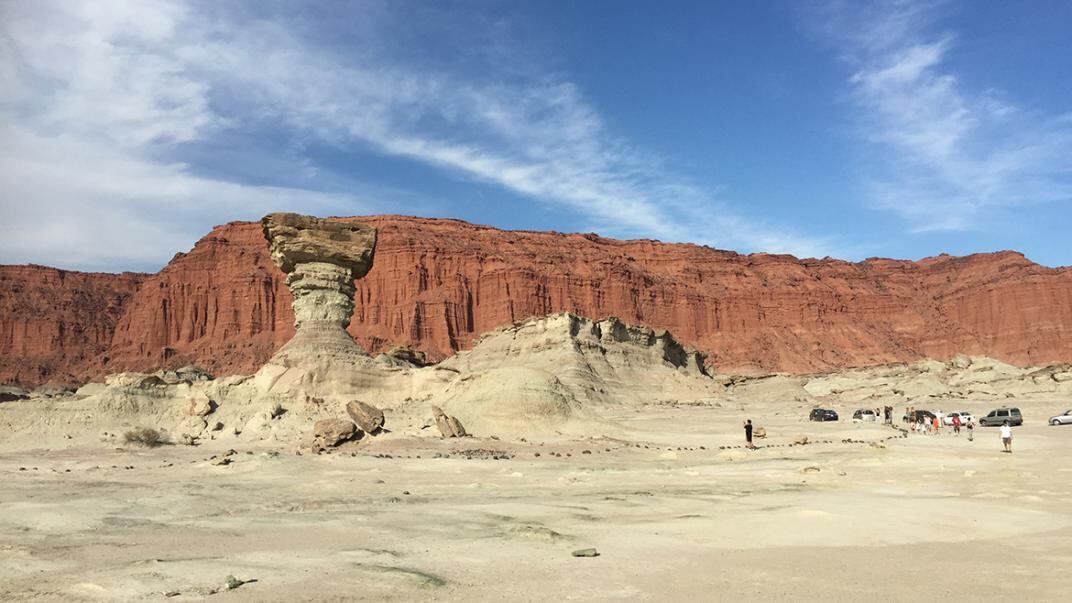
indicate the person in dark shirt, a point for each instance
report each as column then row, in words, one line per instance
column 748, row 433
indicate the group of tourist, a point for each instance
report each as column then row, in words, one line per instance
column 919, row 422
column 922, row 424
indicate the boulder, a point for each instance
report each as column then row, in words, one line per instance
column 408, row 355
column 801, row 440
column 449, row 427
column 760, row 432
column 53, row 389
column 200, row 405
column 192, row 373
column 332, row 432
column 368, row 417
column 139, row 380
column 456, row 427
column 169, row 377
column 9, row 393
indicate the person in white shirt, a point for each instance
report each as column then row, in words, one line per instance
column 1006, row 437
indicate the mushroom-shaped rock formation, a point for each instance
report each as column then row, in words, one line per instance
column 321, row 259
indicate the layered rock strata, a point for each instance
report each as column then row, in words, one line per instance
column 58, row 325
column 321, row 259
column 436, row 284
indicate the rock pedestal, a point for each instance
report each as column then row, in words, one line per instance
column 321, row 259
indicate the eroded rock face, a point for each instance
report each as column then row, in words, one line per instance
column 58, row 324
column 321, row 259
column 436, row 284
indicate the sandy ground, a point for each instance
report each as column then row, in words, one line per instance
column 674, row 516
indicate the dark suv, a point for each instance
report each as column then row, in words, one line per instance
column 999, row 416
column 822, row 414
column 919, row 415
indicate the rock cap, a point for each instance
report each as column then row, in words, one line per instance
column 294, row 239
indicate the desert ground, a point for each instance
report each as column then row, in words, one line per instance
column 677, row 509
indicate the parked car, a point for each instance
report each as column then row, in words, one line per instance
column 864, row 414
column 965, row 417
column 916, row 415
column 822, row 414
column 998, row 416
column 1064, row 419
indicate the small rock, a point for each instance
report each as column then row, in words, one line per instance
column 810, row 469
column 231, row 583
column 802, row 440
column 585, row 553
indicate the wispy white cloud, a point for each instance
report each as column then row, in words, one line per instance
column 92, row 101
column 97, row 98
column 954, row 153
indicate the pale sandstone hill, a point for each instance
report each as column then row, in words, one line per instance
column 558, row 374
column 543, row 375
column 925, row 384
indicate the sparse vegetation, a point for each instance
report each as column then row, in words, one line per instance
column 145, row 436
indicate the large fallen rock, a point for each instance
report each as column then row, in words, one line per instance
column 448, row 426
column 368, row 417
column 328, row 433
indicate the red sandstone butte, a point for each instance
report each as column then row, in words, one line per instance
column 436, row 284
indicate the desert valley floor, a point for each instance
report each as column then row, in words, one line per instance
column 676, row 508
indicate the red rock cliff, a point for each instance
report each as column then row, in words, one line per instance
column 57, row 324
column 435, row 284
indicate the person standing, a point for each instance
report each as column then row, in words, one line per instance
column 971, row 430
column 1006, row 436
column 956, row 424
column 748, row 434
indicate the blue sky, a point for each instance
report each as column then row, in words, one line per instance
column 895, row 129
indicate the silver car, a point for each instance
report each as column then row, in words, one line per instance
column 1063, row 419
